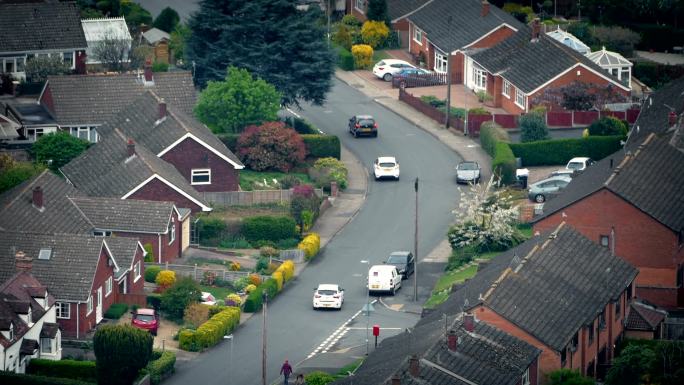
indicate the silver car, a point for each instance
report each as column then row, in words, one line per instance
column 547, row 188
column 468, row 172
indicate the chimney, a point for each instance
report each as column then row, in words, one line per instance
column 452, row 340
column 396, row 380
column 162, row 109
column 22, row 261
column 536, row 30
column 130, row 147
column 414, row 368
column 38, row 197
column 469, row 322
column 148, row 72
column 485, row 8
column 672, row 118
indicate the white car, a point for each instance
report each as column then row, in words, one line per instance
column 385, row 69
column 468, row 172
column 386, row 167
column 383, row 278
column 208, row 299
column 579, row 164
column 328, row 296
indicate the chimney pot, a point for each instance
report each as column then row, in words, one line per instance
column 672, row 118
column 396, row 380
column 148, row 72
column 536, row 29
column 452, row 340
column 22, row 261
column 469, row 322
column 485, row 8
column 130, row 147
column 414, row 368
column 162, row 109
column 38, row 197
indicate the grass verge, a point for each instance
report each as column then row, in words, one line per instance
column 443, row 286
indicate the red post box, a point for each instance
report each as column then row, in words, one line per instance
column 376, row 330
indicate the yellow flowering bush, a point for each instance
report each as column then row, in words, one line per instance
column 374, row 33
column 287, row 268
column 235, row 266
column 250, row 288
column 363, row 55
column 278, row 276
column 233, row 300
column 165, row 279
column 311, row 244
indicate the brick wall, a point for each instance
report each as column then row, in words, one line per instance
column 169, row 252
column 585, row 76
column 189, row 155
column 46, row 99
column 493, row 38
column 156, row 190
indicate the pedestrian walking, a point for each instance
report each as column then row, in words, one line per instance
column 286, row 370
column 300, row 380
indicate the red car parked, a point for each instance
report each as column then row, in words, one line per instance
column 146, row 319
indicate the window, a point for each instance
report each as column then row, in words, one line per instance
column 519, row 98
column 418, row 35
column 618, row 308
column 108, row 287
column 526, row 377
column 602, row 319
column 591, row 332
column 564, row 356
column 102, row 233
column 9, row 65
column 629, row 292
column 21, row 64
column 624, row 74
column 479, row 78
column 11, row 332
column 46, row 345
column 172, row 232
column 604, row 240
column 201, row 176
column 441, row 62
column 68, row 59
column 359, row 5
column 89, row 305
column 506, row 89
column 136, row 271
column 62, row 310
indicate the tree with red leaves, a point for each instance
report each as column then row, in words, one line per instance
column 271, row 146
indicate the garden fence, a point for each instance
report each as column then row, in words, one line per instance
column 197, row 273
column 246, row 198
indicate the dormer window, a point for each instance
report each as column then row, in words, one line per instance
column 102, row 233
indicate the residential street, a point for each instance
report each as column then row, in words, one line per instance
column 384, row 224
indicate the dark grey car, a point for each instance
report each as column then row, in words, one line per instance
column 404, row 262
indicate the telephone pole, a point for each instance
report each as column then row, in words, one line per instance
column 415, row 248
column 264, row 297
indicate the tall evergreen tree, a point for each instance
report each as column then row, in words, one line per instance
column 270, row 38
column 377, row 11
column 167, row 20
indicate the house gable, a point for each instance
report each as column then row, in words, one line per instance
column 158, row 188
column 189, row 136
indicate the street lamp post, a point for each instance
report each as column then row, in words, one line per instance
column 230, row 360
column 448, row 99
column 367, row 307
column 263, row 338
column 415, row 248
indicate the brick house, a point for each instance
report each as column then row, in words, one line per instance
column 28, row 327
column 397, row 10
column 560, row 292
column 441, row 29
column 40, row 29
column 645, row 322
column 470, row 352
column 511, row 73
column 80, row 271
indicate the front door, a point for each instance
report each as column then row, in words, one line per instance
column 98, row 309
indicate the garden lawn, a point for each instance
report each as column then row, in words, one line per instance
column 443, row 287
column 256, row 180
column 220, row 293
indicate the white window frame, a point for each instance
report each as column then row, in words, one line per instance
column 441, row 62
column 102, row 233
column 108, row 286
column 506, row 90
column 59, row 310
column 136, row 272
column 43, row 340
column 519, row 98
column 11, row 332
column 417, row 35
column 200, row 172
column 89, row 305
column 172, row 232
column 525, row 377
column 479, row 78
column 359, row 5
column 73, row 58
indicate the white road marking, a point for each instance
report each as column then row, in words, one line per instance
column 292, row 112
column 336, row 335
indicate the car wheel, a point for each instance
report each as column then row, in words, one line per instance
column 394, row 290
column 397, row 178
column 375, row 134
column 356, row 134
column 154, row 333
column 539, row 198
column 387, row 77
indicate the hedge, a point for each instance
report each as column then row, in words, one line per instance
column 503, row 164
column 211, row 332
column 311, row 244
column 162, row 367
column 254, row 300
column 71, row 369
column 116, row 310
column 322, row 146
column 560, row 151
column 345, row 59
column 287, row 268
column 490, row 133
column 27, row 379
column 151, row 273
column 302, row 126
column 268, row 228
column 154, row 300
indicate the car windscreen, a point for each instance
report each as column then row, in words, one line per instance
column 381, row 63
column 366, row 123
column 396, row 259
column 575, row 165
column 387, row 164
column 467, row 166
column 327, row 292
column 144, row 317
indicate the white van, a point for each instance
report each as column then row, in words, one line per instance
column 384, row 278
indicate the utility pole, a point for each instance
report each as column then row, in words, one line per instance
column 415, row 248
column 579, row 10
column 264, row 297
column 448, row 100
column 329, row 11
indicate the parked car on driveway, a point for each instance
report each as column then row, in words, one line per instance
column 468, row 172
column 385, row 69
column 547, row 188
column 386, row 167
column 383, row 278
column 146, row 319
column 363, row 125
column 328, row 296
column 579, row 164
column 404, row 262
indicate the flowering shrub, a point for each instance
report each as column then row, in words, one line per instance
column 363, row 55
column 255, row 279
column 287, row 269
column 278, row 276
column 271, row 146
column 326, row 170
column 250, row 288
column 233, row 300
column 210, row 332
column 235, row 266
column 165, row 279
column 374, row 33
column 311, row 244
column 303, row 190
column 208, row 278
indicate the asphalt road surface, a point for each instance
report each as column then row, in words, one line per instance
column 384, row 224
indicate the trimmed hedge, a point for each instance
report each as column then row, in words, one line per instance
column 70, row 369
column 322, row 146
column 154, row 300
column 559, row 151
column 210, row 332
column 345, row 59
column 151, row 273
column 311, row 244
column 161, row 367
column 27, row 379
column 490, row 133
column 116, row 310
column 503, row 164
column 268, row 228
column 254, row 300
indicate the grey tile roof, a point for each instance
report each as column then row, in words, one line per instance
column 653, row 117
column 519, row 60
column 125, row 214
column 69, row 272
column 644, row 317
column 94, row 99
column 400, row 8
column 116, row 174
column 467, row 24
column 40, row 26
column 559, row 287
column 18, row 213
column 155, row 35
column 123, row 250
column 139, row 120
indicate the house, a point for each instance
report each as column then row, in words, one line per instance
column 644, row 321
column 442, row 34
column 40, row 29
column 570, row 40
column 510, row 72
column 397, row 10
column 28, row 324
column 80, row 104
column 79, row 270
column 31, row 120
column 48, row 204
column 112, row 31
column 470, row 352
column 631, row 201
column 559, row 292
column 9, row 129
column 159, row 41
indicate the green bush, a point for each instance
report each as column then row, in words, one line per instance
column 211, row 227
column 72, row 369
column 154, row 300
column 230, row 140
column 433, row 101
column 286, row 244
column 559, row 151
column 268, row 228
column 120, row 351
column 211, row 332
column 302, row 126
column 326, row 170
column 158, row 66
column 116, row 311
column 322, row 146
column 270, row 286
column 162, row 366
column 490, row 133
column 26, row 379
column 318, row 378
column 479, row 111
column 345, row 59
column 17, row 174
column 149, row 254
column 608, row 126
column 151, row 273
column 503, row 164
column 253, row 302
column 177, row 297
column 533, row 127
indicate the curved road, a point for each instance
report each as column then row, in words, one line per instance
column 384, row 224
